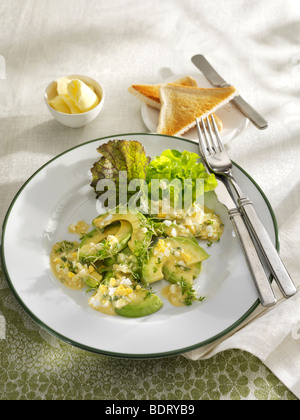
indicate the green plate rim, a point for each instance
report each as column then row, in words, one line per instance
column 116, row 354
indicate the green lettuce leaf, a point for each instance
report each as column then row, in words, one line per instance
column 122, row 161
column 183, row 166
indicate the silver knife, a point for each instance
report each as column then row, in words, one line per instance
column 262, row 283
column 210, row 73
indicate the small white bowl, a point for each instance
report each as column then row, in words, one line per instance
column 75, row 120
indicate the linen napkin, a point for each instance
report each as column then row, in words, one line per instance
column 272, row 334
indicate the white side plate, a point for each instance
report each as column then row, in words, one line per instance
column 234, row 122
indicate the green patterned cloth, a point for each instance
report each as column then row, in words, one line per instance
column 36, row 366
column 254, row 45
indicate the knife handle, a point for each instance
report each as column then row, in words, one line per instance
column 275, row 263
column 250, row 113
column 262, row 283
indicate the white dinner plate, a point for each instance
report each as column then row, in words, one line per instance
column 59, row 194
column 234, row 122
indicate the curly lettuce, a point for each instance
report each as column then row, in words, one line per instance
column 178, row 177
column 185, row 167
column 122, row 161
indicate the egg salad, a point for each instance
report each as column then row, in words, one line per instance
column 199, row 220
column 120, row 256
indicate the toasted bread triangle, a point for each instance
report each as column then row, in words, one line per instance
column 181, row 105
column 150, row 95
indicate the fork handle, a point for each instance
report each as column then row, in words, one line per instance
column 262, row 283
column 268, row 250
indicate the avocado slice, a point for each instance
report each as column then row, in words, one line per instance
column 143, row 306
column 96, row 235
column 88, row 252
column 141, row 237
column 153, row 270
column 93, row 280
column 174, row 273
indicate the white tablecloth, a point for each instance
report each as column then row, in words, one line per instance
column 256, row 46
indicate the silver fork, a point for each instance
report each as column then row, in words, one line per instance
column 213, row 152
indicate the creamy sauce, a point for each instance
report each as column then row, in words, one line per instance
column 79, row 228
column 61, row 270
column 122, row 289
column 105, row 308
column 201, row 221
column 173, row 293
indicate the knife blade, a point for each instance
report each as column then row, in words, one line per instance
column 261, row 281
column 215, row 79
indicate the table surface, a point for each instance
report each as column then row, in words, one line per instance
column 254, row 45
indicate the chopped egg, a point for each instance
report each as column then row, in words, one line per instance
column 198, row 220
column 173, row 233
column 181, row 263
column 126, row 282
column 113, row 282
column 111, row 291
column 103, row 288
column 112, row 240
column 123, row 291
column 160, row 246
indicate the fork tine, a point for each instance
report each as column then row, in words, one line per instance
column 202, row 147
column 207, row 138
column 218, row 137
column 212, row 137
column 201, row 139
